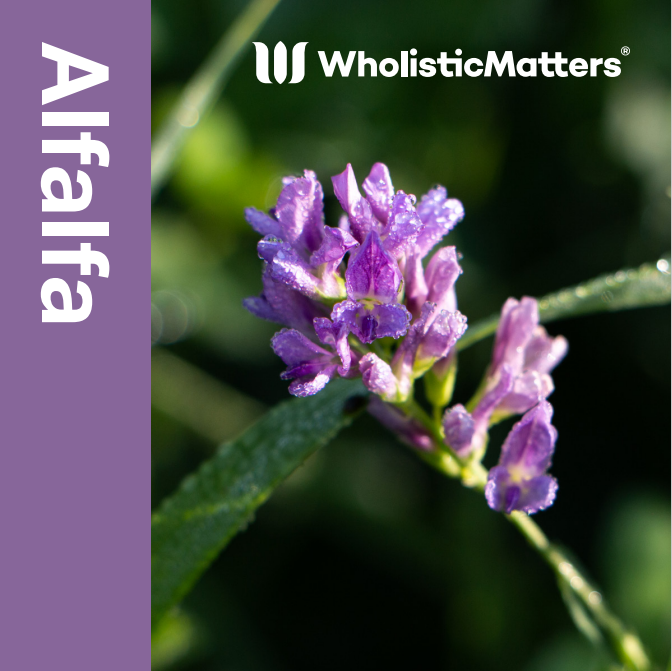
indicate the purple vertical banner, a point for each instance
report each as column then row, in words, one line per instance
column 75, row 440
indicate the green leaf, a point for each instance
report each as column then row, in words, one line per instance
column 193, row 525
column 633, row 288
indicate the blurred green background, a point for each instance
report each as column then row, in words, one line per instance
column 365, row 559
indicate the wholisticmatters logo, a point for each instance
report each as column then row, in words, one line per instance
column 409, row 65
column 280, row 62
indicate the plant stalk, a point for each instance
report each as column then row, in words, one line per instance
column 624, row 642
column 203, row 89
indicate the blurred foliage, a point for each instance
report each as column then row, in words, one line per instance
column 365, row 558
column 212, row 505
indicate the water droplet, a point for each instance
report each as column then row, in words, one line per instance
column 188, row 116
column 576, row 582
column 565, row 568
column 595, row 598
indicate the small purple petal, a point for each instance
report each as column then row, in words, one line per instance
column 310, row 386
column 372, row 273
column 308, row 364
column 346, row 189
column 268, row 247
column 441, row 275
column 442, row 329
column 295, row 349
column 344, row 224
column 506, row 494
column 303, row 370
column 345, row 312
column 335, row 245
column 431, row 337
column 300, row 211
column 408, row 430
column 259, row 307
column 528, row 389
column 392, row 320
column 280, row 303
column 365, row 325
column 440, row 215
column 295, row 309
column 530, row 353
column 483, row 411
column 327, row 259
column 544, row 353
column 530, row 443
column 289, row 268
column 335, row 335
column 458, row 426
column 403, row 226
column 378, row 376
column 497, row 390
column 327, row 331
column 517, row 323
column 379, row 191
column 500, row 493
column 537, row 494
column 369, row 323
column 263, row 223
column 416, row 286
column 358, row 209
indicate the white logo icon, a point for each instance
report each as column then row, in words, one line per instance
column 280, row 62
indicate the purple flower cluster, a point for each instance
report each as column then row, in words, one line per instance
column 517, row 381
column 382, row 291
column 361, row 299
column 518, row 377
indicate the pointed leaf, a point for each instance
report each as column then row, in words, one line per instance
column 633, row 288
column 193, row 525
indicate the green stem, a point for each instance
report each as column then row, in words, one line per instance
column 204, row 88
column 444, row 458
column 357, row 345
column 624, row 642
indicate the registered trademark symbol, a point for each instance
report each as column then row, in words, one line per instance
column 625, row 51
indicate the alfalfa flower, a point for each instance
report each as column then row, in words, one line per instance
column 366, row 276
column 520, row 481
